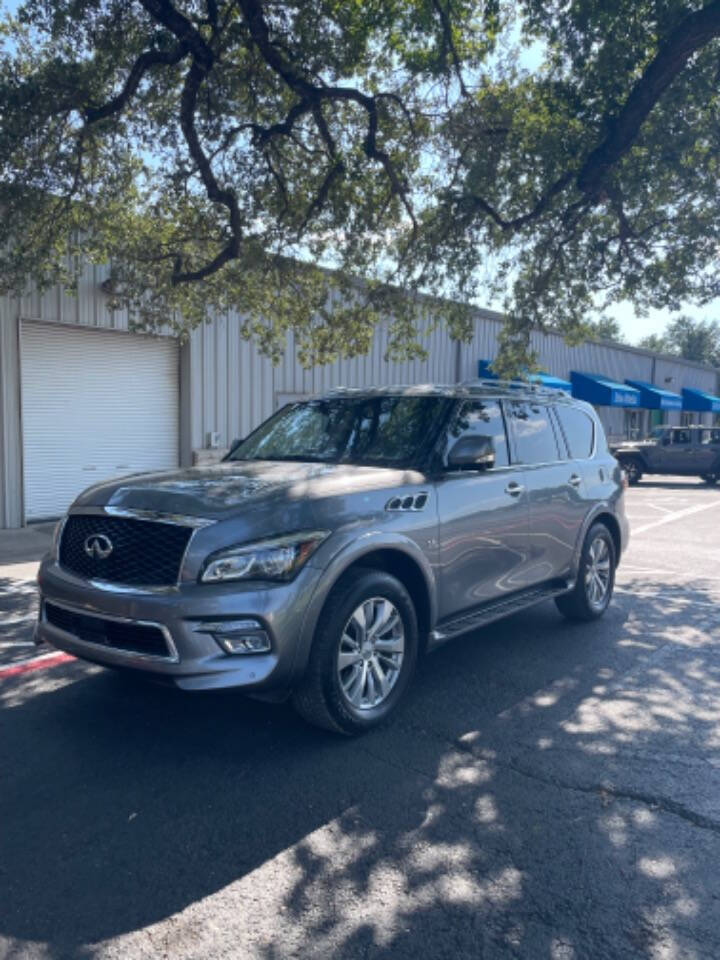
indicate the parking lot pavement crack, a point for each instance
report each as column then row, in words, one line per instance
column 398, row 763
column 654, row 801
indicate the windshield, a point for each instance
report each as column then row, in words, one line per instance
column 389, row 431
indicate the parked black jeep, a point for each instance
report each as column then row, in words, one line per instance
column 689, row 451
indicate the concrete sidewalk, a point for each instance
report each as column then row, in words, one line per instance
column 26, row 544
column 20, row 554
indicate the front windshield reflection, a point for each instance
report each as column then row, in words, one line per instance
column 385, row 430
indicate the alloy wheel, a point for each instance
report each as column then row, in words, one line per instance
column 371, row 653
column 598, row 572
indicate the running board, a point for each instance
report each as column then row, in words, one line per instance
column 497, row 609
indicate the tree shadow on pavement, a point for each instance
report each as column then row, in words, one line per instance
column 18, row 609
column 549, row 791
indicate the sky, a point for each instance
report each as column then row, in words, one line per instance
column 634, row 328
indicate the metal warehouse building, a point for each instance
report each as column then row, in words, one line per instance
column 82, row 399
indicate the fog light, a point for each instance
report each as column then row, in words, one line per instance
column 247, row 643
column 238, row 636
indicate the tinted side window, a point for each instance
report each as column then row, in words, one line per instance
column 535, row 440
column 579, row 431
column 479, row 418
column 681, row 437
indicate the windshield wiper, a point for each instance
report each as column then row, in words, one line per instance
column 289, row 458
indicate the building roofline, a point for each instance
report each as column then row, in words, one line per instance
column 495, row 316
column 644, row 351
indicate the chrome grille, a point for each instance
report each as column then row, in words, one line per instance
column 144, row 552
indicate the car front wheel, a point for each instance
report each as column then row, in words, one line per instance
column 363, row 655
column 596, row 578
column 633, row 471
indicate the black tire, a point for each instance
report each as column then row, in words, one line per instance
column 633, row 470
column 710, row 478
column 578, row 604
column 320, row 698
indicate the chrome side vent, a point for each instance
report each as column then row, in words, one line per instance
column 416, row 502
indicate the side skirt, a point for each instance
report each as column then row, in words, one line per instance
column 496, row 610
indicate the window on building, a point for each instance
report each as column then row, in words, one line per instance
column 657, row 419
column 479, row 418
column 535, row 440
column 635, row 424
column 579, row 430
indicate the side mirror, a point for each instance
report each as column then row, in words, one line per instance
column 666, row 441
column 472, row 453
column 234, row 445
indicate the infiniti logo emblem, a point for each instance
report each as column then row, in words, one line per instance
column 98, row 546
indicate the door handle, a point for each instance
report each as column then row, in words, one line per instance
column 514, row 489
column 575, row 480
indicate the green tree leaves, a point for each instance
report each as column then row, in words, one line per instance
column 697, row 340
column 316, row 166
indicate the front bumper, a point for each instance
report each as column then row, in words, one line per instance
column 195, row 660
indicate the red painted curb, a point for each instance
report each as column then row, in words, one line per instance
column 36, row 663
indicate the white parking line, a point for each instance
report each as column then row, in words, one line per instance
column 678, row 515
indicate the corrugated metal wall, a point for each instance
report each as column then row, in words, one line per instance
column 235, row 388
column 54, row 305
column 227, row 387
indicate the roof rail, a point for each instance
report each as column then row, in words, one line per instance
column 513, row 386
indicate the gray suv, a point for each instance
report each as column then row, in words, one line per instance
column 339, row 542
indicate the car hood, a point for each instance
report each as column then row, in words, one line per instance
column 227, row 489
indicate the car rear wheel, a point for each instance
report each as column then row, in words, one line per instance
column 633, row 470
column 596, row 578
column 363, row 655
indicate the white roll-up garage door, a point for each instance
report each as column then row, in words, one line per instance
column 95, row 405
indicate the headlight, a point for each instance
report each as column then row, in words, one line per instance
column 276, row 559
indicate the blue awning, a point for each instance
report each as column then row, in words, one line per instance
column 655, row 398
column 484, row 371
column 699, row 400
column 602, row 391
column 544, row 379
column 547, row 380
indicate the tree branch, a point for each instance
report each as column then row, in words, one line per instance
column 188, row 102
column 147, row 60
column 693, row 33
column 449, row 43
column 314, row 94
column 540, row 207
column 178, row 24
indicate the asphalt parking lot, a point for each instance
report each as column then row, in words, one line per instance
column 550, row 791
